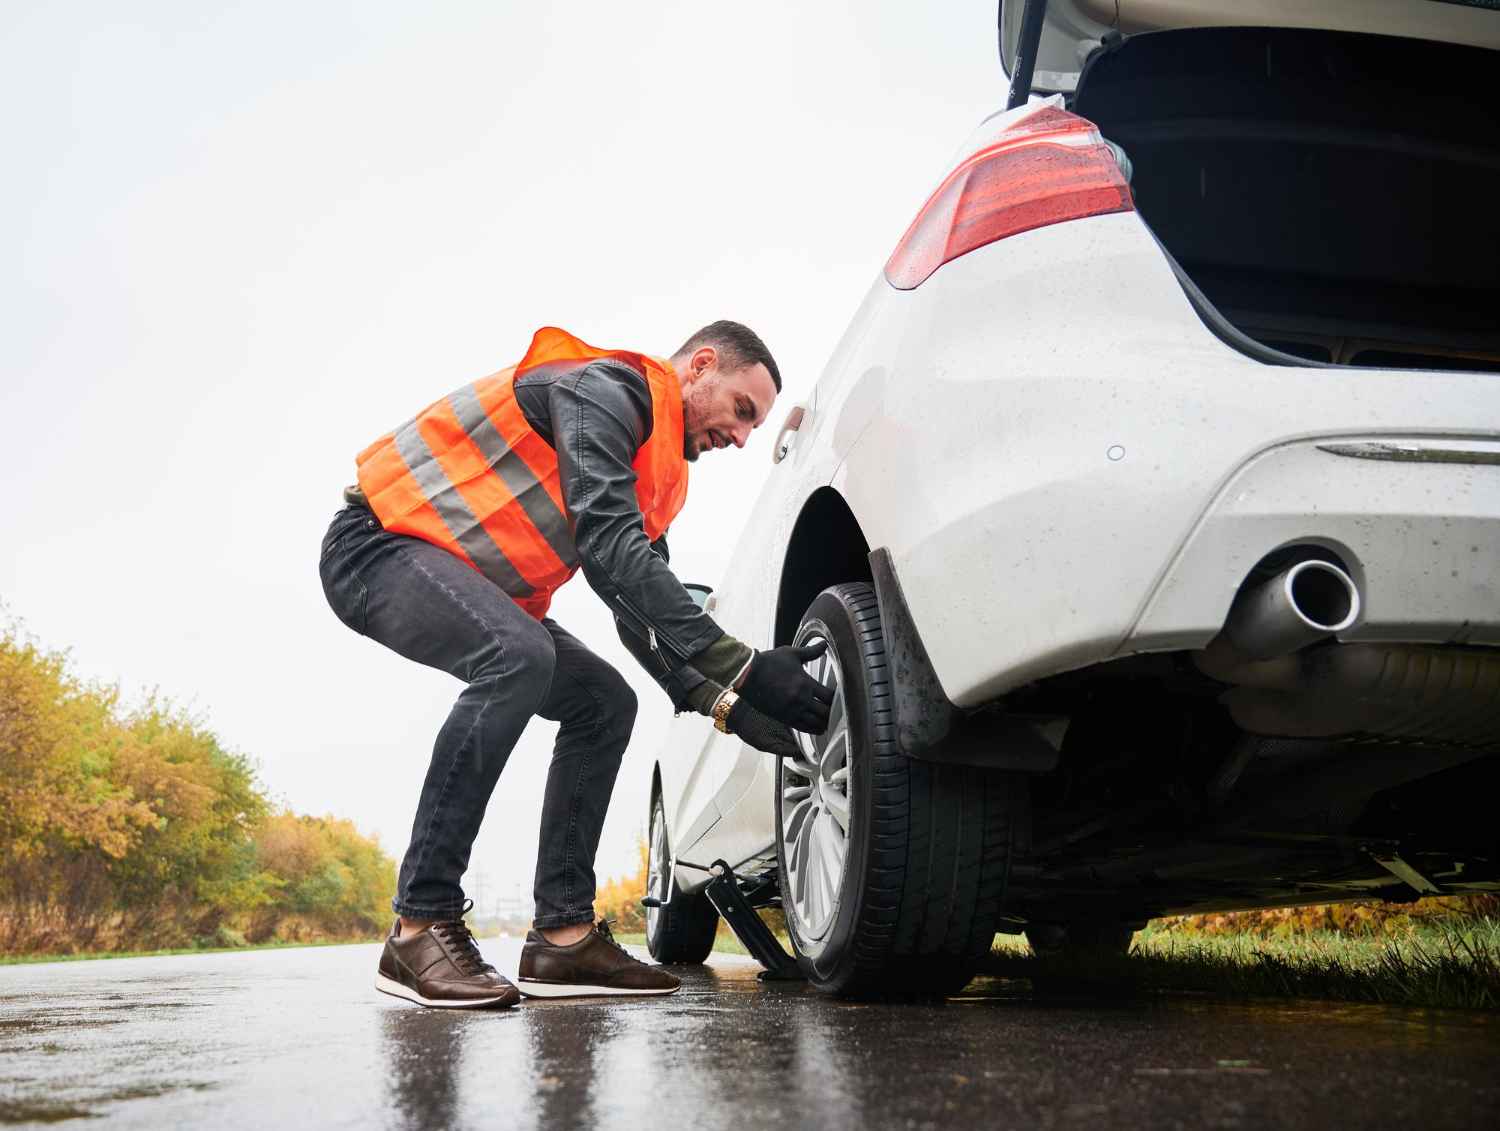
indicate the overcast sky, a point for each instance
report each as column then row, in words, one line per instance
column 240, row 241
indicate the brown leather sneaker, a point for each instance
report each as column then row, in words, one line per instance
column 441, row 967
column 595, row 964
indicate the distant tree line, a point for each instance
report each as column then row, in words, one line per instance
column 126, row 829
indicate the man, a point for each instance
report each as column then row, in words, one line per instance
column 465, row 521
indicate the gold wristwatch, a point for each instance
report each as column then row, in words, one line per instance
column 721, row 708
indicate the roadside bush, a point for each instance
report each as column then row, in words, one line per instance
column 124, row 830
column 324, row 872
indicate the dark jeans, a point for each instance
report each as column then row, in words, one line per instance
column 426, row 604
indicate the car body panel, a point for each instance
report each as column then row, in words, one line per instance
column 1421, row 538
column 1042, row 417
column 1066, row 466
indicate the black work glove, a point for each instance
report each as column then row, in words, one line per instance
column 777, row 686
column 745, row 722
column 761, row 731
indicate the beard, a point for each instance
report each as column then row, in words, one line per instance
column 692, row 448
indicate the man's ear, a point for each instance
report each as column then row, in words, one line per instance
column 704, row 357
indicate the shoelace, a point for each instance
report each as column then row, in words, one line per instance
column 461, row 947
column 602, row 927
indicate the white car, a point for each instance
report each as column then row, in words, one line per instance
column 1150, row 506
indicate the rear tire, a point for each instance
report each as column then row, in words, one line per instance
column 926, row 851
column 683, row 929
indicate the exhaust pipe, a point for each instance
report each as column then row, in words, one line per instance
column 1301, row 605
column 1418, row 692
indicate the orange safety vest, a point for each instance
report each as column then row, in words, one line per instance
column 469, row 474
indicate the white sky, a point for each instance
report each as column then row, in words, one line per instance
column 242, row 240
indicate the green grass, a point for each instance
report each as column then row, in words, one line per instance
column 89, row 956
column 1443, row 965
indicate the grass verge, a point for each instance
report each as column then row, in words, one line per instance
column 1442, row 965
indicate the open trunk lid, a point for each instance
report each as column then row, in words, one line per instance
column 1073, row 28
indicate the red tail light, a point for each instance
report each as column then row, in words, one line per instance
column 1049, row 167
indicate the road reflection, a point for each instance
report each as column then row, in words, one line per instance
column 725, row 1054
column 831, row 1067
column 564, row 1060
column 423, row 1050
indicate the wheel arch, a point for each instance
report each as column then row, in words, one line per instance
column 827, row 547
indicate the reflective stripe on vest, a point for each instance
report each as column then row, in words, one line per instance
column 469, row 474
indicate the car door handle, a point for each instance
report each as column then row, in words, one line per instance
column 784, row 437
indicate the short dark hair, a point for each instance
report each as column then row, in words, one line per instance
column 738, row 346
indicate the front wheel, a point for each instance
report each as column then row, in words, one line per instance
column 892, row 870
column 682, row 929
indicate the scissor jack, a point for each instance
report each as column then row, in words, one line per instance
column 736, row 899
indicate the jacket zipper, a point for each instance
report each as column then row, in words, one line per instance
column 651, row 634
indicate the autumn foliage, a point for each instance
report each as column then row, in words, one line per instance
column 1358, row 919
column 136, row 829
column 619, row 900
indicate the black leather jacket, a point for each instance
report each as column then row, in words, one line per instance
column 596, row 416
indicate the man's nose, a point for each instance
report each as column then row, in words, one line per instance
column 739, row 434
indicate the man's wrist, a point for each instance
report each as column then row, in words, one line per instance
column 722, row 661
column 703, row 697
column 723, row 705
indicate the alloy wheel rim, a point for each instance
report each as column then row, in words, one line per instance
column 656, row 871
column 816, row 796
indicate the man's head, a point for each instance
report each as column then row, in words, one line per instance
column 729, row 381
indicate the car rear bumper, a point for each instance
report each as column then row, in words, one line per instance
column 1067, row 466
column 1419, row 532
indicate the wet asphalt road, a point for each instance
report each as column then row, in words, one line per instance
column 299, row 1038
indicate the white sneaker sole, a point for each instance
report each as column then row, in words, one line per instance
column 529, row 988
column 396, row 989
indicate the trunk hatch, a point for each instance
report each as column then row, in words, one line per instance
column 1329, row 198
column 1073, row 28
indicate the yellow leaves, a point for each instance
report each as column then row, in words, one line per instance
column 56, row 740
column 620, row 898
column 324, row 866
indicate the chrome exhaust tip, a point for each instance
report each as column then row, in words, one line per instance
column 1301, row 605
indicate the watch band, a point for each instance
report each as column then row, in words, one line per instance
column 721, row 708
